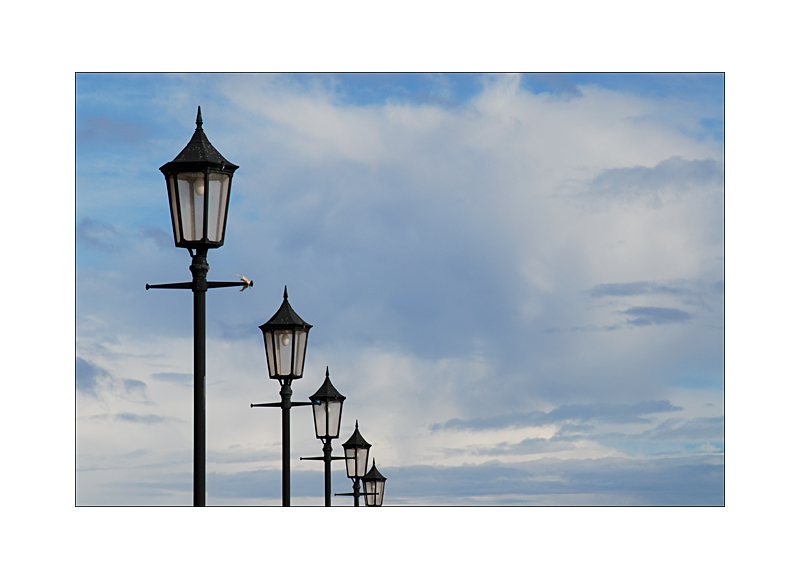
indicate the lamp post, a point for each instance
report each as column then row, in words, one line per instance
column 374, row 483
column 285, row 339
column 356, row 453
column 327, row 406
column 198, row 187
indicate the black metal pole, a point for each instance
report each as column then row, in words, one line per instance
column 326, row 453
column 199, row 286
column 286, row 408
column 286, row 405
column 327, row 458
column 356, row 491
column 199, row 269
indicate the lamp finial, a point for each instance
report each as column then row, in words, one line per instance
column 285, row 293
column 199, row 120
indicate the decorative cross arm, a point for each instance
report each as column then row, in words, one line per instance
column 291, row 404
column 191, row 285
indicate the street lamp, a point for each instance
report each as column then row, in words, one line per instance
column 285, row 339
column 327, row 406
column 373, row 487
column 356, row 453
column 198, row 187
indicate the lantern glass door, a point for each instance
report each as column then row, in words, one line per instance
column 334, row 418
column 173, row 204
column 278, row 344
column 356, row 461
column 218, row 188
column 300, row 347
column 269, row 346
column 284, row 346
column 327, row 416
column 191, row 198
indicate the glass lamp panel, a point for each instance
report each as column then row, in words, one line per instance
column 378, row 499
column 361, row 461
column 334, row 418
column 283, row 344
column 369, row 489
column 302, row 335
column 320, row 415
column 191, row 191
column 373, row 492
column 218, row 187
column 269, row 347
column 173, row 204
column 350, row 461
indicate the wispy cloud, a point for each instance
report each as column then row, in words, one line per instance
column 649, row 315
column 88, row 376
column 611, row 413
column 699, row 428
column 600, row 412
column 136, row 418
column 529, row 446
column 673, row 177
column 672, row 288
column 134, row 386
column 98, row 235
column 184, row 379
column 97, row 382
column 160, row 237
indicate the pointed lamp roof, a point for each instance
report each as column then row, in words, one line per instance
column 285, row 317
column 199, row 152
column 374, row 474
column 356, row 440
column 327, row 392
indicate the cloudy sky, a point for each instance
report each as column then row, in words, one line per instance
column 517, row 281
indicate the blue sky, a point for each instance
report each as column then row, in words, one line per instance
column 517, row 281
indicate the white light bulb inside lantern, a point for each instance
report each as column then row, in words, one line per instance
column 286, row 339
column 200, row 185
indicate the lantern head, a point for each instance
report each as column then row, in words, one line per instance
column 198, row 186
column 356, row 453
column 285, row 338
column 374, row 483
column 327, row 406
